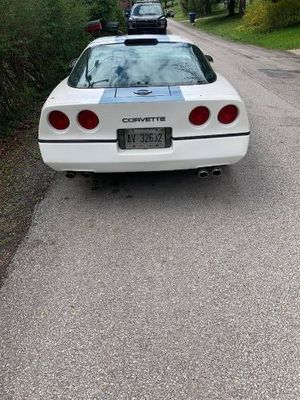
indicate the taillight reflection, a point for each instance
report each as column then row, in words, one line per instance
column 58, row 120
column 199, row 115
column 228, row 114
column 88, row 119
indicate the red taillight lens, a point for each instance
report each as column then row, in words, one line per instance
column 88, row 119
column 228, row 114
column 199, row 115
column 58, row 120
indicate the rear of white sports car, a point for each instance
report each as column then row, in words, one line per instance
column 142, row 104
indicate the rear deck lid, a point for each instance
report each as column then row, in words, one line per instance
column 144, row 94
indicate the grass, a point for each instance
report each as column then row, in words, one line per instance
column 179, row 14
column 231, row 28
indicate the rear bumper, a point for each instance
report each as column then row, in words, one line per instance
column 108, row 157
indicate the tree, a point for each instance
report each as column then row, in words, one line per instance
column 242, row 7
column 201, row 7
column 231, row 5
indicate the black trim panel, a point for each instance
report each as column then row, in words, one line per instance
column 211, row 136
column 78, row 141
column 221, row 135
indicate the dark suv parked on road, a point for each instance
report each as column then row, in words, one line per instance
column 147, row 17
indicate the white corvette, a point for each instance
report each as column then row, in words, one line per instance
column 143, row 103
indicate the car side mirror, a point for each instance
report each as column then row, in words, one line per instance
column 209, row 58
column 72, row 63
column 127, row 14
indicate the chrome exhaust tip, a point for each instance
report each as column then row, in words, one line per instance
column 70, row 174
column 216, row 171
column 203, row 173
column 85, row 174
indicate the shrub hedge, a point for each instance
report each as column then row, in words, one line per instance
column 266, row 15
column 38, row 38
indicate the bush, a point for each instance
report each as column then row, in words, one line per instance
column 103, row 9
column 284, row 13
column 38, row 38
column 266, row 15
column 256, row 14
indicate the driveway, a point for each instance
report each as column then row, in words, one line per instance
column 163, row 286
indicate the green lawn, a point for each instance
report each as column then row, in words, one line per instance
column 179, row 14
column 231, row 28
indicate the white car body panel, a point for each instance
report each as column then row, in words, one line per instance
column 77, row 149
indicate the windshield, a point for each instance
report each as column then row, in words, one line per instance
column 163, row 64
column 141, row 10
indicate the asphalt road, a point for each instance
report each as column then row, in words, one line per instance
column 164, row 286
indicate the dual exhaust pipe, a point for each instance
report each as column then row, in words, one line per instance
column 201, row 172
column 205, row 172
column 71, row 174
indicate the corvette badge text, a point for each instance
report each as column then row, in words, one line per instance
column 144, row 119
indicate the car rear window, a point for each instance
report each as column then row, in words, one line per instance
column 119, row 65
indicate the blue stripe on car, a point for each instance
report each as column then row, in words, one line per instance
column 110, row 95
column 176, row 93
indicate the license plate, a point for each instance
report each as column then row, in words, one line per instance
column 144, row 138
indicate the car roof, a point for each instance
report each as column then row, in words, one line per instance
column 121, row 39
column 147, row 1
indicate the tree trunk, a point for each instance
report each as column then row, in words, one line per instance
column 209, row 5
column 206, row 9
column 242, row 7
column 231, row 8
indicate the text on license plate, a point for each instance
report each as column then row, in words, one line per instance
column 151, row 138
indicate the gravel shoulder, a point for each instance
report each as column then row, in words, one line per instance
column 23, row 181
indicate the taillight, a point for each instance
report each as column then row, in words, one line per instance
column 58, row 120
column 228, row 114
column 199, row 115
column 88, row 119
